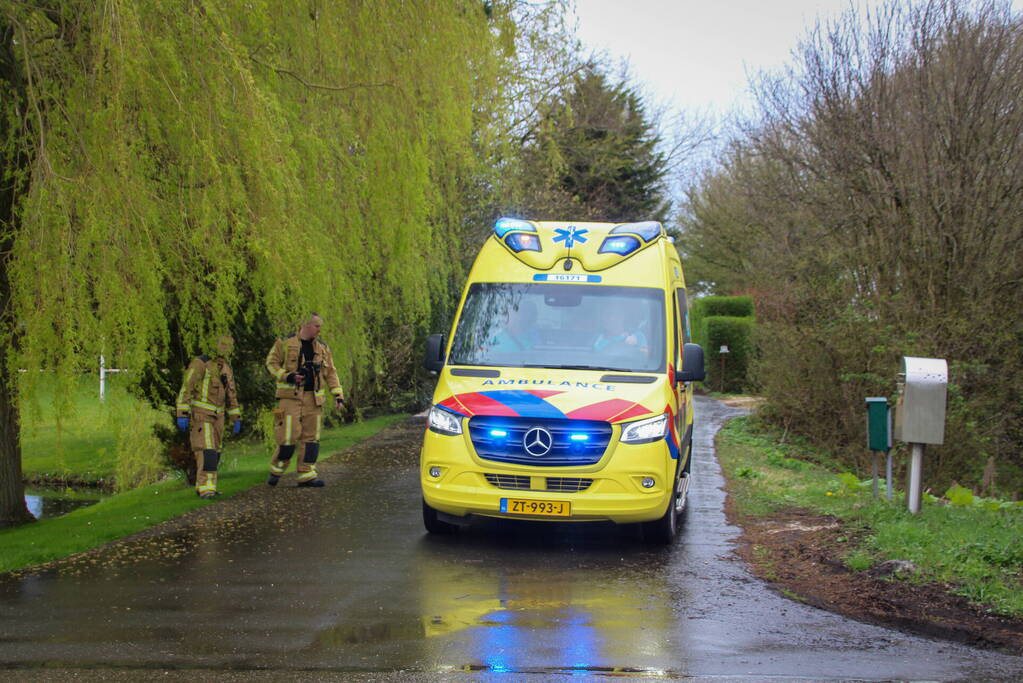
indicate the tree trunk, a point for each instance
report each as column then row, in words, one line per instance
column 12, row 488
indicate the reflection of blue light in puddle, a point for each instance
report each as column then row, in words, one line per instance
column 502, row 638
column 582, row 641
column 500, row 642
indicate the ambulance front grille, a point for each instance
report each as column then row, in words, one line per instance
column 508, row 481
column 518, row 482
column 568, row 484
column 572, row 442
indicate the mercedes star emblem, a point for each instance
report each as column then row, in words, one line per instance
column 537, row 442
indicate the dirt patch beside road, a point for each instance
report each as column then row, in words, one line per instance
column 799, row 553
column 745, row 402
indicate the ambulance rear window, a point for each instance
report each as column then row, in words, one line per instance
column 562, row 325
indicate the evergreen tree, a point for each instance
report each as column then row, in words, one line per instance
column 593, row 155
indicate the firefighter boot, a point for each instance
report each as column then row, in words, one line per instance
column 308, row 477
column 206, row 479
column 280, row 463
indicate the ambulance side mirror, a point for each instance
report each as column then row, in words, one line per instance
column 692, row 364
column 434, row 358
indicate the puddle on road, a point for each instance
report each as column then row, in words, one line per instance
column 44, row 503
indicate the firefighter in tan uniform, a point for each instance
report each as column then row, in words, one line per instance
column 208, row 395
column 303, row 367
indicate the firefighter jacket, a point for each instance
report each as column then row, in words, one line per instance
column 283, row 360
column 208, row 390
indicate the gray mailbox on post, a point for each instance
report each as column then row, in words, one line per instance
column 920, row 414
column 920, row 408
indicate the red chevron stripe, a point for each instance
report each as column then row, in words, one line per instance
column 453, row 403
column 635, row 411
column 671, row 424
column 543, row 393
column 605, row 410
column 484, row 405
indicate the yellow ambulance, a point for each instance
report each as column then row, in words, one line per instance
column 564, row 389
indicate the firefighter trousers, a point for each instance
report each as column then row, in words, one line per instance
column 205, row 434
column 297, row 425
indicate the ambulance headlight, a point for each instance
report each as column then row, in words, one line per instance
column 444, row 421
column 645, row 431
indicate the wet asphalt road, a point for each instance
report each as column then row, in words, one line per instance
column 287, row 584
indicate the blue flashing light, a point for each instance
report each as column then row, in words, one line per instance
column 502, row 226
column 579, row 437
column 500, row 433
column 519, row 241
column 648, row 230
column 621, row 245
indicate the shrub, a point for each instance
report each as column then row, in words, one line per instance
column 730, row 306
column 139, row 452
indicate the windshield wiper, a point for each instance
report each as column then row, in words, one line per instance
column 599, row 368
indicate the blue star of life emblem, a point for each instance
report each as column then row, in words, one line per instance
column 570, row 236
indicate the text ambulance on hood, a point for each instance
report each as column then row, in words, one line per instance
column 564, row 392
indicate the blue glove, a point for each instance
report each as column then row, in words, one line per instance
column 182, row 424
column 237, row 429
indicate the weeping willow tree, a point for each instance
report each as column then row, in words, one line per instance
column 173, row 167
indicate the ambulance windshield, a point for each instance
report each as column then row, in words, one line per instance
column 564, row 326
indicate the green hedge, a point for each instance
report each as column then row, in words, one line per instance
column 730, row 306
column 725, row 321
column 737, row 334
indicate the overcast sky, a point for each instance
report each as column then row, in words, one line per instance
column 695, row 54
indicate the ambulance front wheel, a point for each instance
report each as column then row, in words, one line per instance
column 435, row 525
column 665, row 530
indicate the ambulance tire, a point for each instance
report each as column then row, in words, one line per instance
column 665, row 530
column 435, row 525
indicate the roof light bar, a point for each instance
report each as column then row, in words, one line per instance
column 648, row 230
column 502, row 226
column 622, row 245
column 520, row 241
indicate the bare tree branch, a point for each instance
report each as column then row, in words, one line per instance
column 321, row 86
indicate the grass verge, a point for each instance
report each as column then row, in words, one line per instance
column 80, row 446
column 243, row 466
column 977, row 548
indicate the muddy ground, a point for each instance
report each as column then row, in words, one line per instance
column 799, row 554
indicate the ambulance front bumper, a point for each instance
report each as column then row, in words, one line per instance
column 630, row 483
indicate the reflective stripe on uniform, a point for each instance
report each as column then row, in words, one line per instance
column 206, row 387
column 284, row 385
column 276, row 469
column 184, row 407
column 207, row 406
column 281, row 373
column 184, row 386
column 319, row 421
column 287, row 430
column 208, row 436
column 206, row 488
column 306, row 476
column 338, row 391
column 235, row 411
